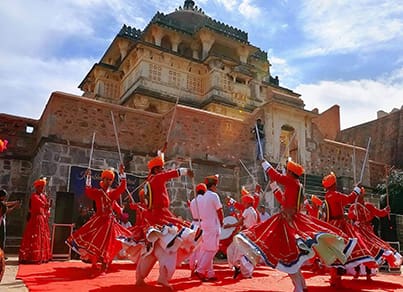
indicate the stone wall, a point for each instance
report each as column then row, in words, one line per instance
column 329, row 122
column 386, row 138
column 337, row 157
column 63, row 138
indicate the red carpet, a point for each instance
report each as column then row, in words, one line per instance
column 76, row 276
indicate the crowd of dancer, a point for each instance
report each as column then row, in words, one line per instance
column 303, row 234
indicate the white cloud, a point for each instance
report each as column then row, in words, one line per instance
column 27, row 95
column 343, row 26
column 359, row 100
column 248, row 10
column 229, row 5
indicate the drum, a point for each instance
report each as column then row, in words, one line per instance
column 227, row 232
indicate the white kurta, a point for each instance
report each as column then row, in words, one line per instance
column 210, row 223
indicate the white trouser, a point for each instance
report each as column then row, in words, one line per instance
column 236, row 258
column 298, row 281
column 167, row 263
column 208, row 249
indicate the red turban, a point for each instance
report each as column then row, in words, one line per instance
column 40, row 183
column 212, row 179
column 201, row 187
column 244, row 191
column 329, row 180
column 316, row 201
column 108, row 173
column 157, row 161
column 295, row 168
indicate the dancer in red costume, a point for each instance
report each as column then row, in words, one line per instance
column 35, row 244
column 96, row 240
column 289, row 238
column 161, row 231
column 313, row 208
column 362, row 213
column 334, row 209
column 156, row 192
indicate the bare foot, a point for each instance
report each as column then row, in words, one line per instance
column 166, row 285
column 140, row 283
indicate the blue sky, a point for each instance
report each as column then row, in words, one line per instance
column 341, row 52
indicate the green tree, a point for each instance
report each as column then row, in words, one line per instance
column 394, row 189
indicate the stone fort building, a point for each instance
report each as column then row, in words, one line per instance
column 199, row 85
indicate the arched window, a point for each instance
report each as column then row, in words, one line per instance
column 288, row 144
column 185, row 50
column 166, row 43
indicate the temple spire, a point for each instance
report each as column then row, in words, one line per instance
column 188, row 5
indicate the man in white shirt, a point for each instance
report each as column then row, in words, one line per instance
column 263, row 215
column 211, row 215
column 201, row 188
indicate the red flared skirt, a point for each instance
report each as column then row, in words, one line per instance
column 286, row 241
column 35, row 244
column 98, row 237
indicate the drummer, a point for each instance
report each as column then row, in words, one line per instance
column 236, row 259
column 249, row 216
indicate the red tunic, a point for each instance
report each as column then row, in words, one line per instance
column 35, row 244
column 98, row 236
column 336, row 202
column 288, row 239
column 362, row 214
column 158, row 212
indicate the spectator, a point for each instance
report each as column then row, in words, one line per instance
column 263, row 214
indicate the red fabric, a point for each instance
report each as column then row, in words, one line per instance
column 336, row 202
column 276, row 237
column 35, row 244
column 157, row 213
column 365, row 212
column 74, row 276
column 256, row 201
column 98, row 236
column 312, row 210
column 363, row 215
column 291, row 187
column 159, row 192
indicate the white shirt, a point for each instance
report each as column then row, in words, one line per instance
column 194, row 208
column 208, row 206
column 249, row 216
column 264, row 216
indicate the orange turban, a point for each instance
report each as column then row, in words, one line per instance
column 247, row 199
column 316, row 201
column 244, row 191
column 212, row 179
column 108, row 173
column 157, row 161
column 201, row 187
column 295, row 168
column 329, row 180
column 40, row 182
